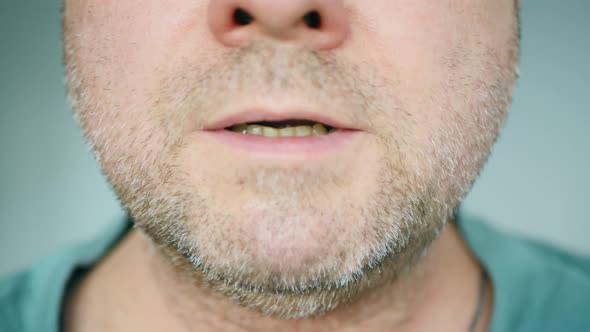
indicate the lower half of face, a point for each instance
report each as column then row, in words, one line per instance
column 296, row 224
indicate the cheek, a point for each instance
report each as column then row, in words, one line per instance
column 123, row 45
column 441, row 58
column 119, row 50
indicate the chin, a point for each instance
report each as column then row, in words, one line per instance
column 284, row 248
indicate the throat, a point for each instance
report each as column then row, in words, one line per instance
column 151, row 294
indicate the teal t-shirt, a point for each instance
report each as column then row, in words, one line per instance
column 537, row 288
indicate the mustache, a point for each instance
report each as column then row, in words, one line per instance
column 264, row 68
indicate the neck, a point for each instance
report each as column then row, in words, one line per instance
column 134, row 288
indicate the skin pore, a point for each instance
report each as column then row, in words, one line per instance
column 358, row 239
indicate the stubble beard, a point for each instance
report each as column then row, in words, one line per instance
column 406, row 211
column 401, row 234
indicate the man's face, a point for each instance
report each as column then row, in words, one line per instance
column 416, row 90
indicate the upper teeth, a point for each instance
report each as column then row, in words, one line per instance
column 295, row 131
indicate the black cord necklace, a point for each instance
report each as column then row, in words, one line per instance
column 481, row 299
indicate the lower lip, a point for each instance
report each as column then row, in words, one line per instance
column 305, row 146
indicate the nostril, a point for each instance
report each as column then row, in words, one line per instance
column 242, row 17
column 313, row 19
column 317, row 24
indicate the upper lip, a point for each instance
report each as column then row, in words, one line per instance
column 252, row 116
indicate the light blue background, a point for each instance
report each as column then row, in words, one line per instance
column 536, row 182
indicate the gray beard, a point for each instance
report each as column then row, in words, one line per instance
column 406, row 212
column 165, row 213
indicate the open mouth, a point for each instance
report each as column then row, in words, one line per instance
column 286, row 128
column 287, row 135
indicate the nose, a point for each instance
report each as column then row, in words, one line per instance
column 320, row 24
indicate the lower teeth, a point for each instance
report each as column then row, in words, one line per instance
column 296, row 131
